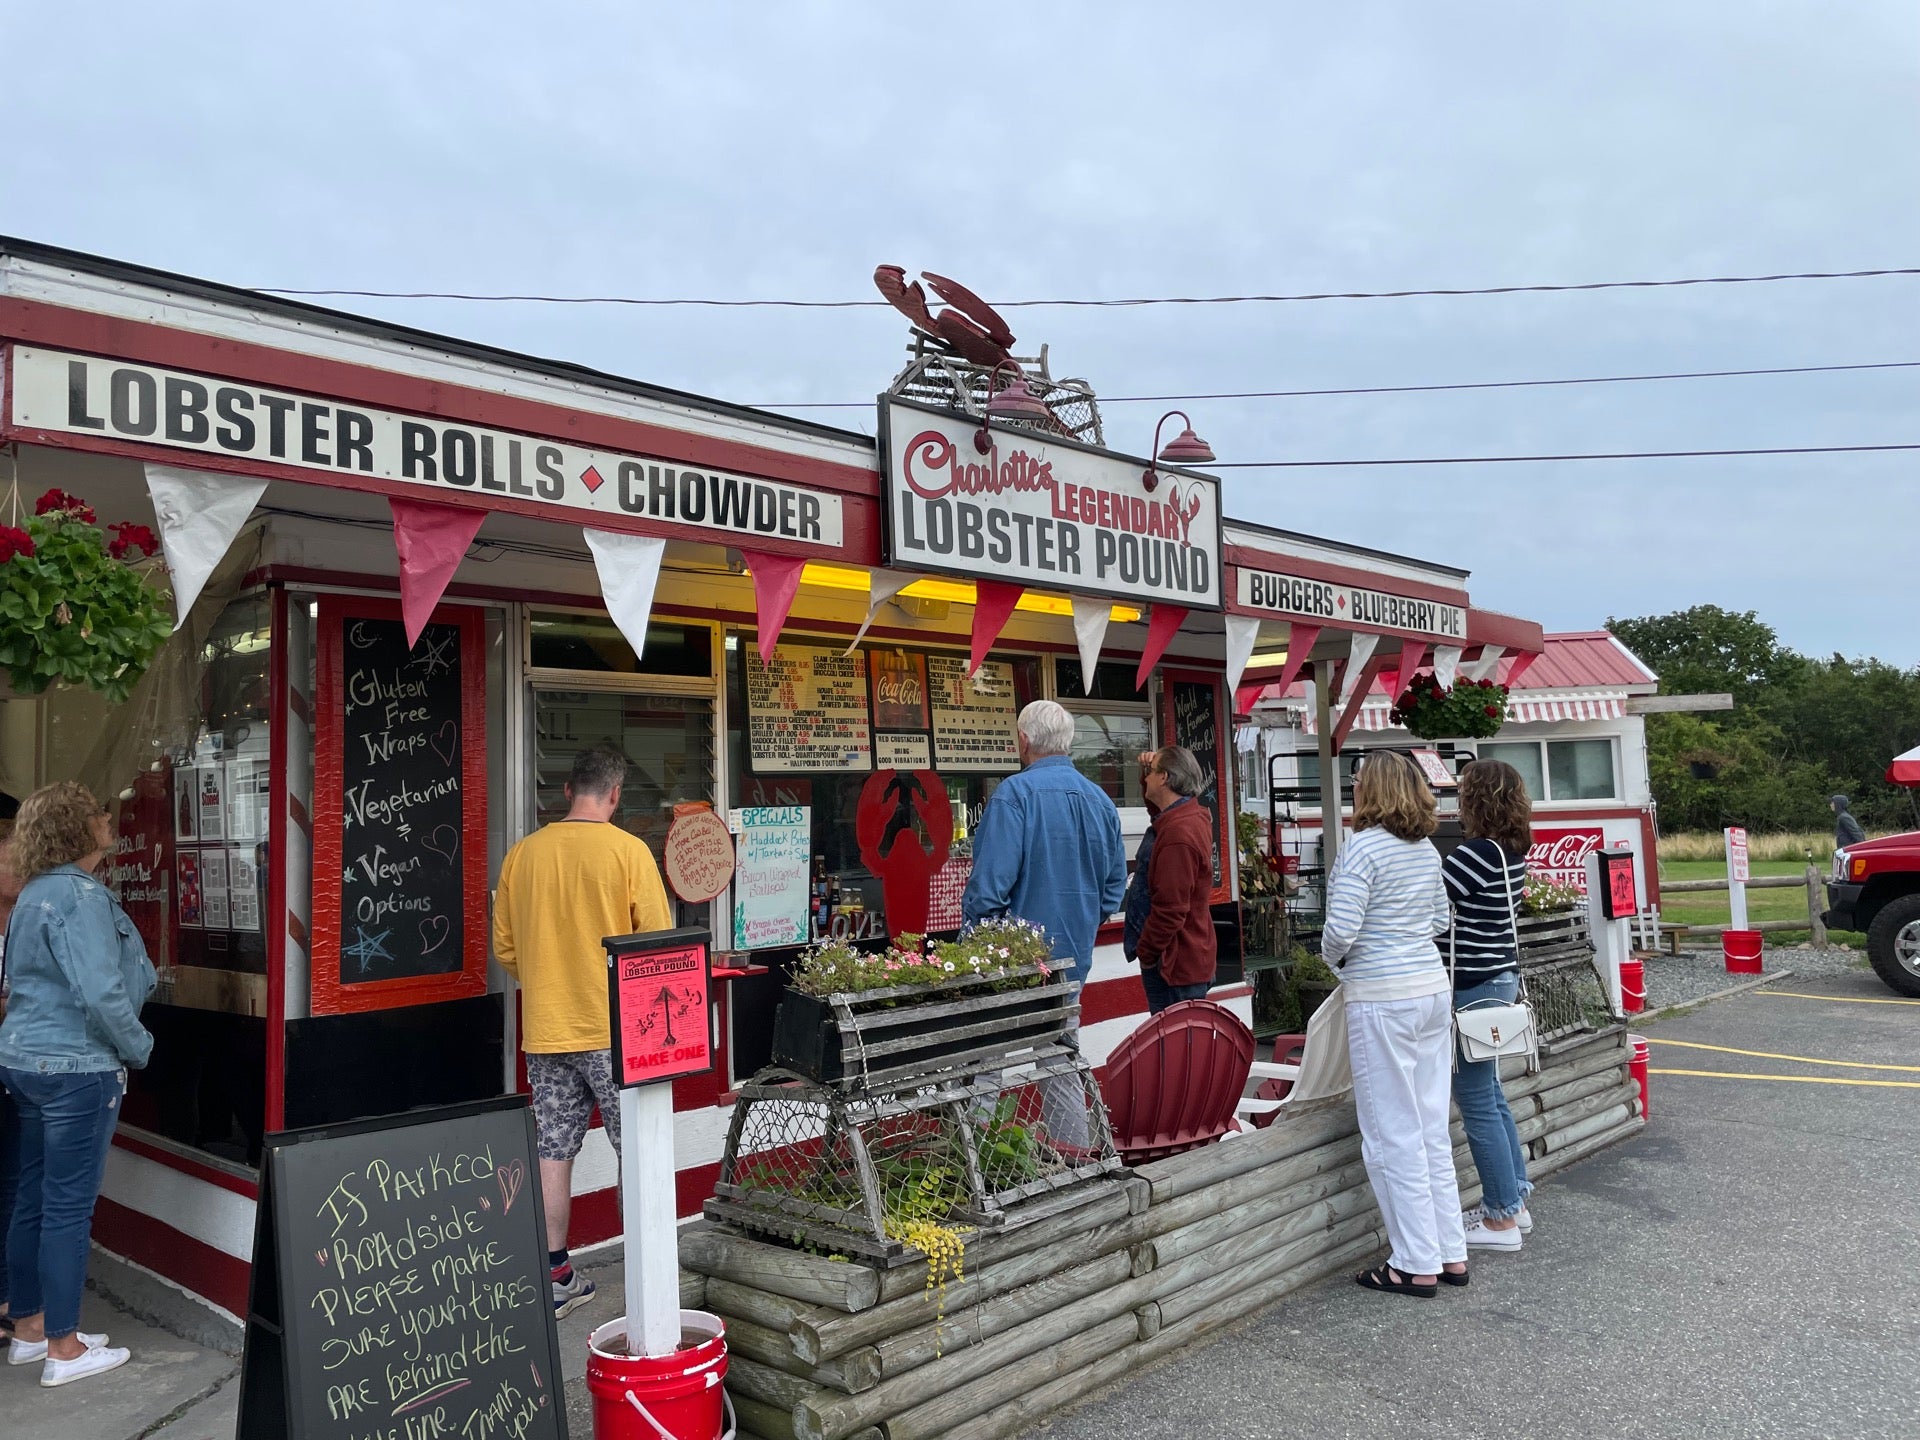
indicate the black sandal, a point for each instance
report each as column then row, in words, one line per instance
column 1393, row 1282
column 1450, row 1277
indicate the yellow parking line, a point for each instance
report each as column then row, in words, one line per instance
column 1836, row 999
column 1771, row 1055
column 1801, row 1079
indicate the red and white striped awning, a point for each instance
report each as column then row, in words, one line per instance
column 1519, row 712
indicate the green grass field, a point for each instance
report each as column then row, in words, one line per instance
column 1711, row 907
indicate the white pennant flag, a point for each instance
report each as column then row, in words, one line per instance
column 1446, row 665
column 1242, row 632
column 1357, row 658
column 629, row 569
column 1310, row 717
column 199, row 513
column 882, row 586
column 1487, row 664
column 1090, row 617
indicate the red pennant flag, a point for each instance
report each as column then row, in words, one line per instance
column 1411, row 653
column 775, row 580
column 993, row 602
column 1519, row 666
column 1162, row 625
column 1247, row 696
column 432, row 540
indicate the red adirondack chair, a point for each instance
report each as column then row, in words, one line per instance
column 1173, row 1084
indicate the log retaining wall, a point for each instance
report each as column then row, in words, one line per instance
column 823, row 1349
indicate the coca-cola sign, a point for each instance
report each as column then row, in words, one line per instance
column 1560, row 855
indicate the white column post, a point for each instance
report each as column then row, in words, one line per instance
column 1612, row 939
column 652, row 1238
column 1737, row 872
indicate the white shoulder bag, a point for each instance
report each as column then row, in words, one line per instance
column 1490, row 1029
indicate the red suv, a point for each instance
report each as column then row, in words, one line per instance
column 1875, row 889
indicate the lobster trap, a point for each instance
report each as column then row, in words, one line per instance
column 1564, row 985
column 853, row 1172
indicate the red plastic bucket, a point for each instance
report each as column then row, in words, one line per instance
column 1637, row 1067
column 666, row 1397
column 1742, row 949
column 1633, row 986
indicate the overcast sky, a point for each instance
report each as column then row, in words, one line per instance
column 1118, row 150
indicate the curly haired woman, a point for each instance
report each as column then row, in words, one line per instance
column 79, row 975
column 1385, row 904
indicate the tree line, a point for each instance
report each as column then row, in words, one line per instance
column 1801, row 729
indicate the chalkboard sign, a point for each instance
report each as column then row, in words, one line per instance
column 400, row 1287
column 1196, row 725
column 400, row 802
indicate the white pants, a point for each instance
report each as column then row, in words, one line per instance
column 1402, row 1083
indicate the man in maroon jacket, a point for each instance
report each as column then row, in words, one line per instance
column 1176, row 948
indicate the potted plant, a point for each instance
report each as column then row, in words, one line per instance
column 1311, row 980
column 917, row 1007
column 1466, row 710
column 75, row 607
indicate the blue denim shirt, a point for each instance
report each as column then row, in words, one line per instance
column 79, row 975
column 1048, row 851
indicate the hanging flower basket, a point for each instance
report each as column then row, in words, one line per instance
column 76, row 607
column 1470, row 710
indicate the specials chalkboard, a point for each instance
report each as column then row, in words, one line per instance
column 400, row 809
column 400, row 1287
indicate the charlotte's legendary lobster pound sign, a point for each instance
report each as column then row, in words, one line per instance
column 1045, row 512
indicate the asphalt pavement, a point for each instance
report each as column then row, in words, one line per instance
column 1741, row 1268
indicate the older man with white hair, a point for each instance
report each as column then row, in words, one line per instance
column 1048, row 851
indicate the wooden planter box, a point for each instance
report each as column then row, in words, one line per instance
column 1559, row 936
column 891, row 1036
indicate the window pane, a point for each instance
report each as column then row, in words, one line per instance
column 1106, row 749
column 1525, row 758
column 1581, row 769
column 1112, row 680
column 594, row 642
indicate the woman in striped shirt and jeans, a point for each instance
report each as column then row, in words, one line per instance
column 1385, row 905
column 1485, row 879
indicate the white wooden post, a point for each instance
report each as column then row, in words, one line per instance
column 652, row 1236
column 1738, row 873
column 1612, row 939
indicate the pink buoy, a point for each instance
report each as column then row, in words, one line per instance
column 662, row 1397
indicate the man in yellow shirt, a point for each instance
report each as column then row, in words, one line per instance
column 562, row 891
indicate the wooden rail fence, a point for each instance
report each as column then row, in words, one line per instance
column 1811, row 882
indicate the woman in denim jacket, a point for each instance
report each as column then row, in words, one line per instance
column 79, row 976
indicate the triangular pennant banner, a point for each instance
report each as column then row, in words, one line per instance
column 199, row 512
column 1310, row 720
column 432, row 540
column 993, row 603
column 1090, row 617
column 1242, row 632
column 882, row 586
column 1522, row 663
column 629, row 569
column 1403, row 668
column 1245, row 697
column 1363, row 647
column 1488, row 662
column 1446, row 665
column 776, row 578
column 1162, row 625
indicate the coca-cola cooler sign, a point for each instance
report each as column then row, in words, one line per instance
column 1559, row 853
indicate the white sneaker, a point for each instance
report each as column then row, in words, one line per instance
column 1477, row 1214
column 27, row 1352
column 97, row 1360
column 1479, row 1237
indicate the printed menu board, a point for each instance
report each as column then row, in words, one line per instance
column 808, row 710
column 772, row 875
column 399, row 1283
column 974, row 720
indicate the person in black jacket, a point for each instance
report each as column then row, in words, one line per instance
column 1485, row 879
column 1846, row 828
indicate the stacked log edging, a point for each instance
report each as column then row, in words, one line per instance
column 822, row 1349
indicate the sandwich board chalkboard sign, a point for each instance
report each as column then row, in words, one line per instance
column 400, row 1286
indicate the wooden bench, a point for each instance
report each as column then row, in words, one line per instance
column 1670, row 936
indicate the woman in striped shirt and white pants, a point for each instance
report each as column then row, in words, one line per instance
column 1385, row 905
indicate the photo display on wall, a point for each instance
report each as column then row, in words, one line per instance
column 974, row 719
column 808, row 711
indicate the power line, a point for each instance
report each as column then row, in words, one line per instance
column 1531, row 459
column 1408, row 389
column 1098, row 304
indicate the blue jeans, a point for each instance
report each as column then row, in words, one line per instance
column 1160, row 994
column 1497, row 1152
column 66, row 1125
column 9, row 1178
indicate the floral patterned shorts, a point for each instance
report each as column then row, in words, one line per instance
column 566, row 1086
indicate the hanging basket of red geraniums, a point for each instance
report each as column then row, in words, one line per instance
column 1469, row 710
column 76, row 607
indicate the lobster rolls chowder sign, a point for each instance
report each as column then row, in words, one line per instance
column 1045, row 512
